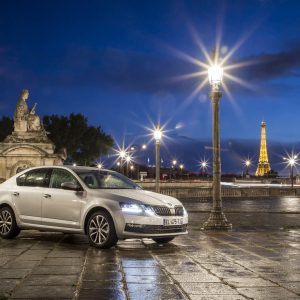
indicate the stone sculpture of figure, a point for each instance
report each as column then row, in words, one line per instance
column 25, row 120
column 34, row 122
column 21, row 113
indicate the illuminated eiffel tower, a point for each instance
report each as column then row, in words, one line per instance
column 263, row 164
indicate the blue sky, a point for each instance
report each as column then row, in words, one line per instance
column 116, row 62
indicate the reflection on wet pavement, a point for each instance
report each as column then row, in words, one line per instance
column 259, row 259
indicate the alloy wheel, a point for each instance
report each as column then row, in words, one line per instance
column 99, row 230
column 5, row 222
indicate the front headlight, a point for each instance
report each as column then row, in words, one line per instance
column 137, row 209
column 131, row 208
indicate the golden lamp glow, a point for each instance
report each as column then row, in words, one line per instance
column 174, row 162
column 157, row 134
column 99, row 166
column 181, row 167
column 128, row 159
column 122, row 153
column 247, row 162
column 215, row 75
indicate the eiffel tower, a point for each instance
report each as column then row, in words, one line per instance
column 263, row 165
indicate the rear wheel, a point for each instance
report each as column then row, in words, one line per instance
column 163, row 240
column 101, row 230
column 8, row 225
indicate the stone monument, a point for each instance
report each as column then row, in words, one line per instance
column 28, row 145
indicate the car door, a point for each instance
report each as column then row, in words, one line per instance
column 61, row 207
column 27, row 195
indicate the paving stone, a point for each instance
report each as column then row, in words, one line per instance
column 102, row 276
column 161, row 279
column 51, row 280
column 154, row 291
column 101, row 294
column 67, row 261
column 292, row 286
column 14, row 273
column 7, row 285
column 27, row 264
column 217, row 297
column 208, row 289
column 143, row 271
column 103, row 267
column 56, row 270
column 44, row 292
column 262, row 293
column 141, row 263
column 248, row 282
column 61, row 253
column 195, row 277
column 94, row 284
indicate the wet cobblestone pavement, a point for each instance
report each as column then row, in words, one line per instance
column 254, row 261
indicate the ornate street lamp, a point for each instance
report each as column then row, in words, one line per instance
column 217, row 219
column 157, row 134
column 292, row 161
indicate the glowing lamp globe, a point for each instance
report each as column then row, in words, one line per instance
column 122, row 153
column 157, row 133
column 215, row 75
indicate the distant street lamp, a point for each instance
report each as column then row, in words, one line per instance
column 122, row 155
column 291, row 160
column 247, row 164
column 203, row 167
column 217, row 219
column 181, row 166
column 157, row 134
column 99, row 166
column 128, row 160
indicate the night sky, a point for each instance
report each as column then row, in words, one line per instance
column 118, row 62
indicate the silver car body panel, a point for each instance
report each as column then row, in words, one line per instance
column 63, row 210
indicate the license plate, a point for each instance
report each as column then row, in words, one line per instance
column 175, row 221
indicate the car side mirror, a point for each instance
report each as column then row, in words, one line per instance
column 71, row 186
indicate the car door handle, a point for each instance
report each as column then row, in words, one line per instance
column 47, row 196
column 16, row 194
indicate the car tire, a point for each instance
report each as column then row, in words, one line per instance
column 8, row 224
column 163, row 240
column 101, row 230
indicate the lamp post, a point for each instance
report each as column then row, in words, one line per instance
column 291, row 161
column 203, row 167
column 181, row 168
column 217, row 219
column 128, row 160
column 122, row 155
column 174, row 163
column 157, row 134
column 247, row 164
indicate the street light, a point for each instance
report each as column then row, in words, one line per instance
column 292, row 161
column 99, row 166
column 247, row 164
column 217, row 219
column 157, row 134
column 181, row 166
column 122, row 155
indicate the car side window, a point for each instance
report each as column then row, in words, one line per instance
column 60, row 176
column 36, row 178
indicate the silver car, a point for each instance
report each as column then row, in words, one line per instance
column 104, row 205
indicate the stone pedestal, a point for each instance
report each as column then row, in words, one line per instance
column 22, row 150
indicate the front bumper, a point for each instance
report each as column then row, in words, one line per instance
column 154, row 226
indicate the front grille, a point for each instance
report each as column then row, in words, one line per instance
column 179, row 211
column 162, row 210
column 155, row 229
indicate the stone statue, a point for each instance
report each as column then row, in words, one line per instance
column 25, row 120
column 21, row 113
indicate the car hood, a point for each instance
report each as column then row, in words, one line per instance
column 145, row 197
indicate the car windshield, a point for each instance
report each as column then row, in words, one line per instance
column 97, row 179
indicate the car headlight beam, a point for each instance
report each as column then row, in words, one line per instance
column 131, row 208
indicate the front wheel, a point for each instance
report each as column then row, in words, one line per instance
column 163, row 240
column 8, row 225
column 101, row 230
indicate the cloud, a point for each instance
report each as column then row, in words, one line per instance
column 128, row 71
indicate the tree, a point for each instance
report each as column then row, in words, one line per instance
column 6, row 127
column 84, row 143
